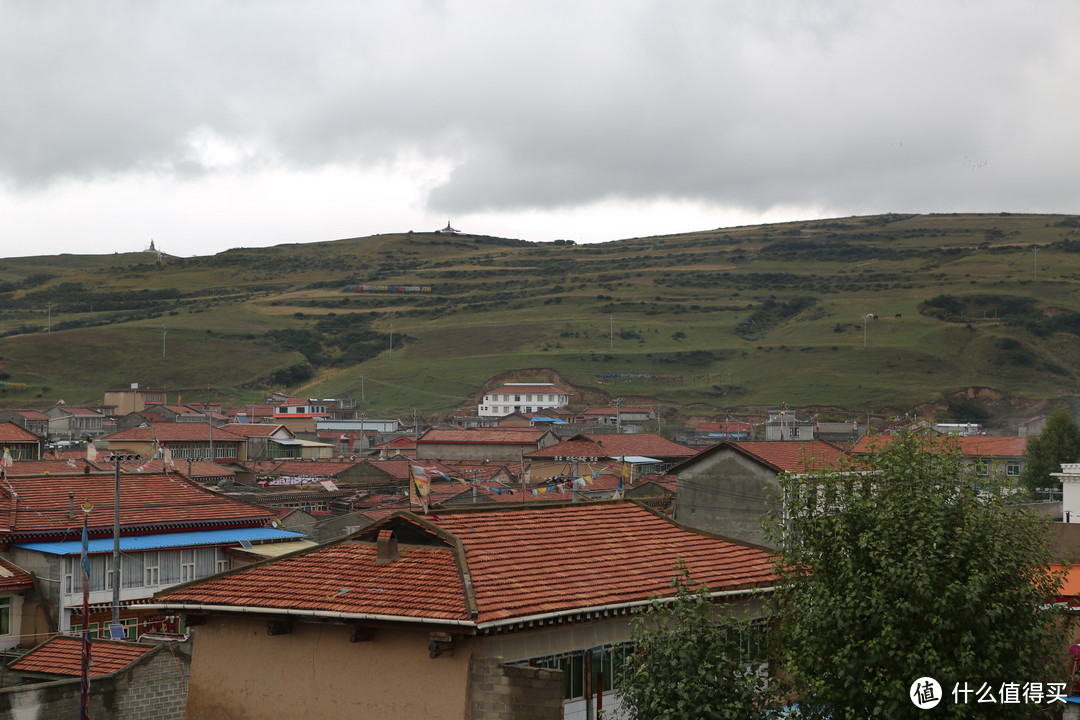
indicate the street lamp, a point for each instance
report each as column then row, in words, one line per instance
column 866, row 317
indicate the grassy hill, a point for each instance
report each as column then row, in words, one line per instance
column 879, row 313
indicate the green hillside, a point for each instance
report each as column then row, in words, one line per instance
column 710, row 320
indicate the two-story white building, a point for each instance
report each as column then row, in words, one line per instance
column 522, row 398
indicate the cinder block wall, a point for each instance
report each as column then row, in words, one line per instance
column 515, row 692
column 152, row 689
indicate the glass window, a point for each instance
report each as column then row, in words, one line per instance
column 5, row 615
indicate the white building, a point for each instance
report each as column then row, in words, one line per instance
column 522, row 397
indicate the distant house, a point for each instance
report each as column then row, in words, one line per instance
column 622, row 417
column 591, row 452
column 787, row 424
column 72, row 423
column 715, row 432
column 730, row 487
column 504, row 444
column 521, row 398
column 1031, row 427
column 478, row 605
column 195, row 441
column 20, row 442
column 33, row 420
column 267, row 441
column 993, row 457
column 133, row 399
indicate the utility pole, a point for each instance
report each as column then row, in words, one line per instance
column 866, row 317
column 1035, row 253
column 164, row 329
column 391, row 341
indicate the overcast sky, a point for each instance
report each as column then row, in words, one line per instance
column 211, row 124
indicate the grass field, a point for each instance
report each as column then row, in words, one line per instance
column 702, row 322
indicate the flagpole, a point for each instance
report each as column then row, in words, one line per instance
column 116, row 545
column 84, row 696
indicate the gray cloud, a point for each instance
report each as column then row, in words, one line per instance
column 895, row 105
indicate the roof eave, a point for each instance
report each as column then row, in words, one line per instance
column 459, row 625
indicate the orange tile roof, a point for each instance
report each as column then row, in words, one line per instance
column 175, row 432
column 62, row 655
column 315, row 468
column 790, row 456
column 969, row 445
column 51, row 467
column 614, row 445
column 12, row 433
column 39, row 506
column 423, row 582
column 192, row 468
column 12, row 577
column 255, row 429
column 521, row 562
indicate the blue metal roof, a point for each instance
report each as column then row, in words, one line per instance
column 163, row 540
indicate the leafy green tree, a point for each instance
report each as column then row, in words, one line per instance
column 906, row 568
column 1058, row 443
column 694, row 660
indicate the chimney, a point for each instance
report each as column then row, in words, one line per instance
column 386, row 548
column 71, row 505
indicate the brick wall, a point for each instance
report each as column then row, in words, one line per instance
column 155, row 688
column 515, row 692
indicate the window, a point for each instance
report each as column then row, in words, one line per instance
column 187, row 565
column 606, row 663
column 982, row 467
column 151, row 569
column 5, row 615
column 1012, row 468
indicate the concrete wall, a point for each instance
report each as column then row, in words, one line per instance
column 727, row 493
column 470, row 451
column 239, row 672
column 154, row 688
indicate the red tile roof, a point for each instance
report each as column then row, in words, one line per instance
column 791, row 456
column 192, row 468
column 483, row 436
column 62, row 655
column 520, row 561
column 423, row 582
column 255, row 429
column 175, row 432
column 12, row 433
column 969, row 445
column 12, row 577
column 39, row 506
column 52, row 467
column 314, row 468
column 614, row 445
column 528, row 389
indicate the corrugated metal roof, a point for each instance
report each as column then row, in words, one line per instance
column 163, row 540
column 279, row 548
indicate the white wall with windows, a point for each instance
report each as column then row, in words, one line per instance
column 141, row 573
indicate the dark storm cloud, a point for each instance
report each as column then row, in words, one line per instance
column 901, row 105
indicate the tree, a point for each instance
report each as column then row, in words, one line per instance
column 1058, row 443
column 693, row 659
column 909, row 567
